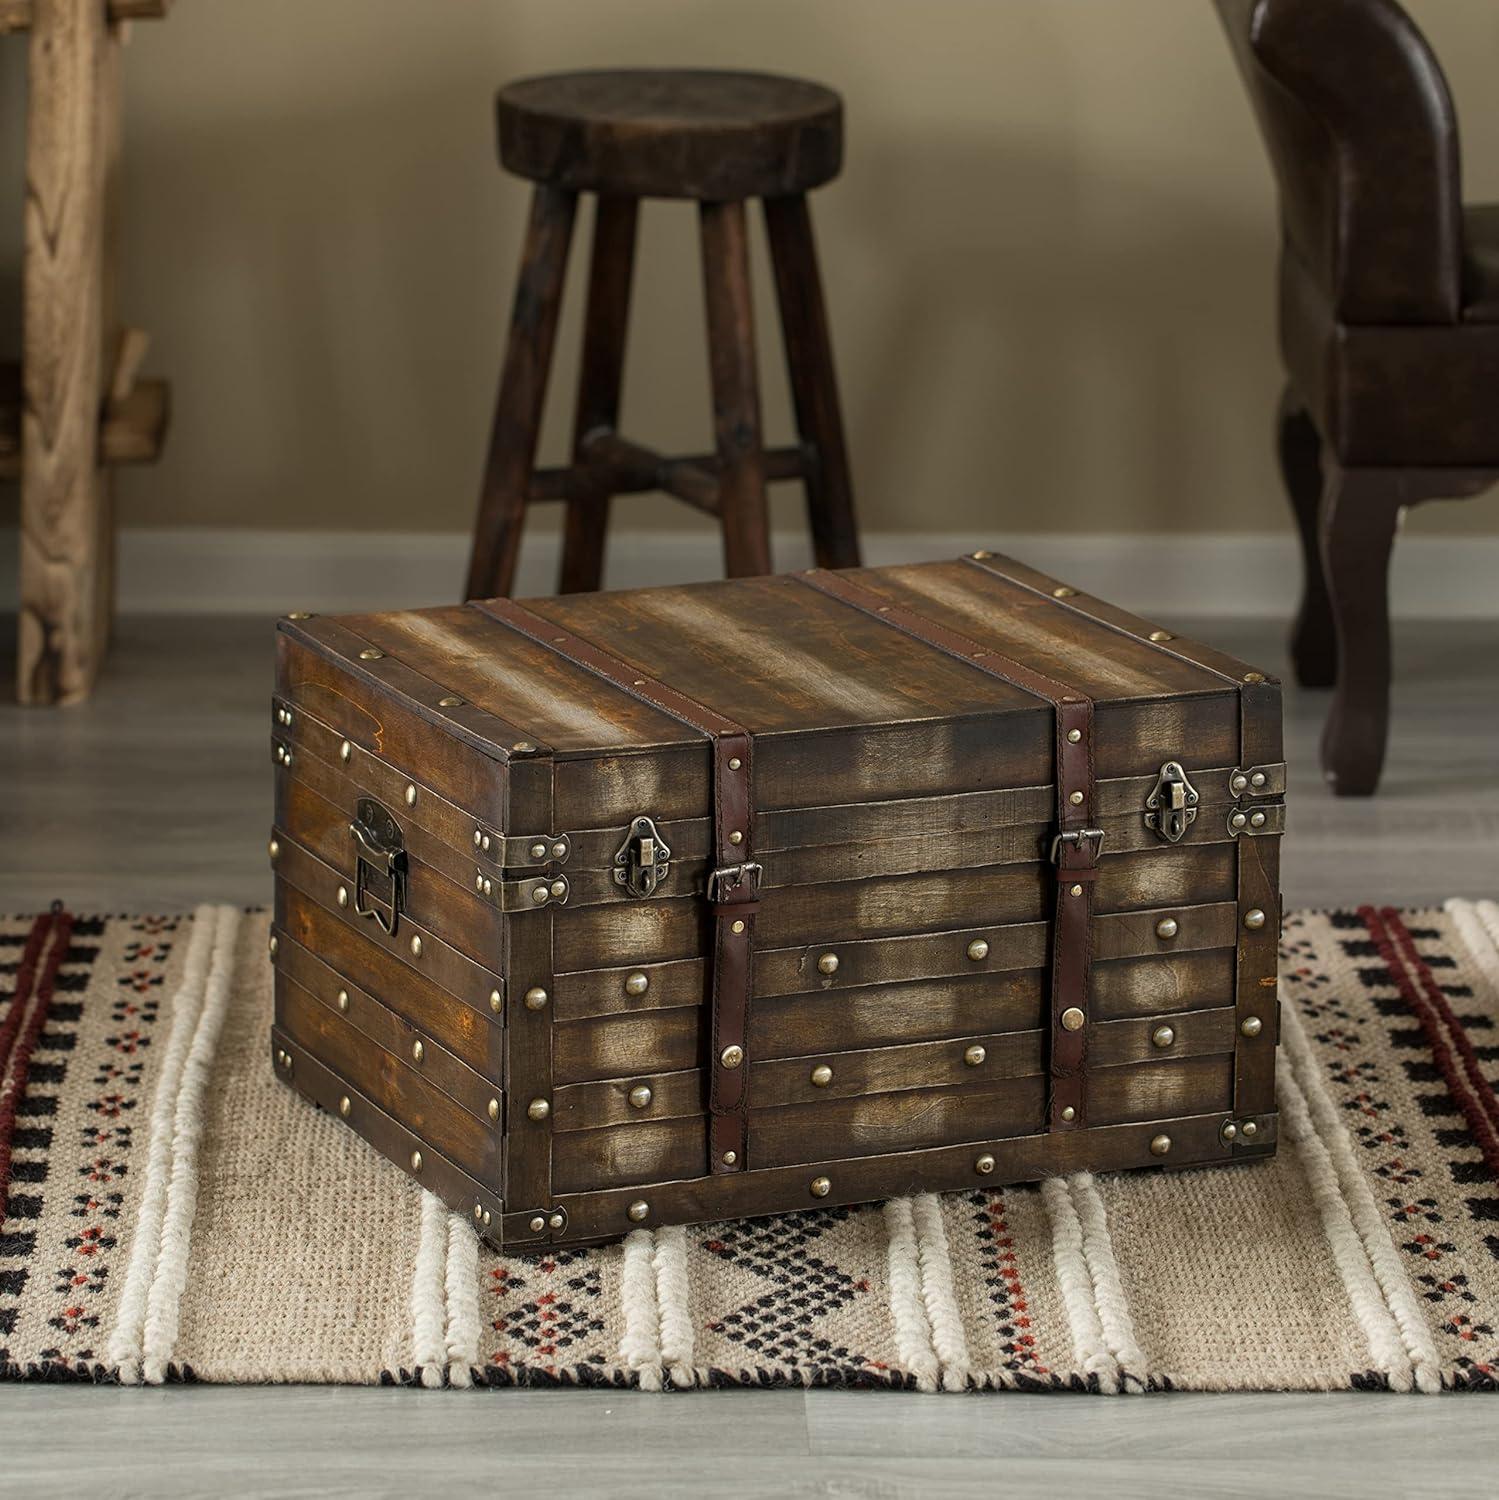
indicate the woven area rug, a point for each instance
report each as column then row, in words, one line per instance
column 168, row 1211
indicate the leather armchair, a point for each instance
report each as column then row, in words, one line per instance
column 1389, row 324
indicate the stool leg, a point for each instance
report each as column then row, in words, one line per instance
column 1313, row 646
column 598, row 388
column 736, row 395
column 814, row 386
column 523, row 383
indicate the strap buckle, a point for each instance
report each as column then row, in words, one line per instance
column 1079, row 836
column 730, row 880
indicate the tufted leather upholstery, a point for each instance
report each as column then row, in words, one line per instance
column 1389, row 294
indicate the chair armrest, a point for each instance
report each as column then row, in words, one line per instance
column 1375, row 207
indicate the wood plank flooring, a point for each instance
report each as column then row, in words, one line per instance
column 156, row 794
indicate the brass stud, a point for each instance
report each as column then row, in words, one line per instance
column 416, row 1161
column 559, row 888
column 1162, row 1037
column 984, row 1165
column 1075, row 798
column 1254, row 919
column 283, row 1057
column 1161, row 635
column 731, row 1056
column 523, row 747
column 299, row 614
column 274, row 944
column 975, row 1055
column 1229, row 1133
column 344, row 1106
column 538, row 1109
column 343, row 1000
column 538, row 1224
column 410, row 794
column 478, row 880
column 487, row 886
column 822, row 1076
column 345, row 752
column 1069, row 1114
column 486, row 1218
column 417, row 1051
column 1063, row 592
column 1251, row 1026
column 1160, row 1145
column 497, row 1000
column 1256, row 820
column 536, row 998
column 737, row 927
column 416, row 946
column 637, row 983
column 1074, row 890
column 371, row 653
column 478, row 1212
column 484, row 842
column 1237, row 782
column 1166, row 928
column 343, row 895
column 828, row 964
column 538, row 851
column 981, row 556
column 736, row 837
column 1073, row 1019
column 734, row 763
column 1073, row 736
column 729, row 1158
column 273, row 848
column 978, row 949
column 1254, row 677
column 494, row 1109
column 1249, row 1130
column 639, row 1211
column 1257, row 781
column 559, row 851
column 555, row 1221
column 640, row 1096
column 820, row 1187
column 539, row 894
column 450, row 702
column 1238, row 820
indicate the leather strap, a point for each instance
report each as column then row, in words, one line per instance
column 733, row 885
column 1075, row 848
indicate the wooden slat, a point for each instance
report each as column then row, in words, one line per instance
column 17, row 15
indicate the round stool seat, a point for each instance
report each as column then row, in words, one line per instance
column 672, row 133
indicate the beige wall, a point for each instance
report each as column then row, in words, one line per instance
column 1049, row 257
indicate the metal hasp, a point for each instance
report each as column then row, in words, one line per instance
column 1172, row 805
column 643, row 861
column 380, row 851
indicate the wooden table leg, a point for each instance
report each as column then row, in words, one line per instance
column 1313, row 648
column 814, row 384
column 736, row 392
column 523, row 384
column 599, row 376
column 67, row 540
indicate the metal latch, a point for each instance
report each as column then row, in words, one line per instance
column 1172, row 805
column 380, row 852
column 643, row 861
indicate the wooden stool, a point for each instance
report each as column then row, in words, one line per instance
column 719, row 138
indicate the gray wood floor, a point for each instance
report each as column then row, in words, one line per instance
column 156, row 796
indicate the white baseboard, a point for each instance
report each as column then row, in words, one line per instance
column 209, row 571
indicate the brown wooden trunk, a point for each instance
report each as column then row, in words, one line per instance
column 466, row 976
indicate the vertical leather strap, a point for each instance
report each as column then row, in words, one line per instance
column 733, row 885
column 1074, row 849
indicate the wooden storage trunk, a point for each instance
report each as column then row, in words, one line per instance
column 993, row 869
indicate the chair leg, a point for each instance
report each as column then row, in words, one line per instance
column 1360, row 512
column 599, row 378
column 814, row 385
column 736, row 395
column 1313, row 647
column 523, row 382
